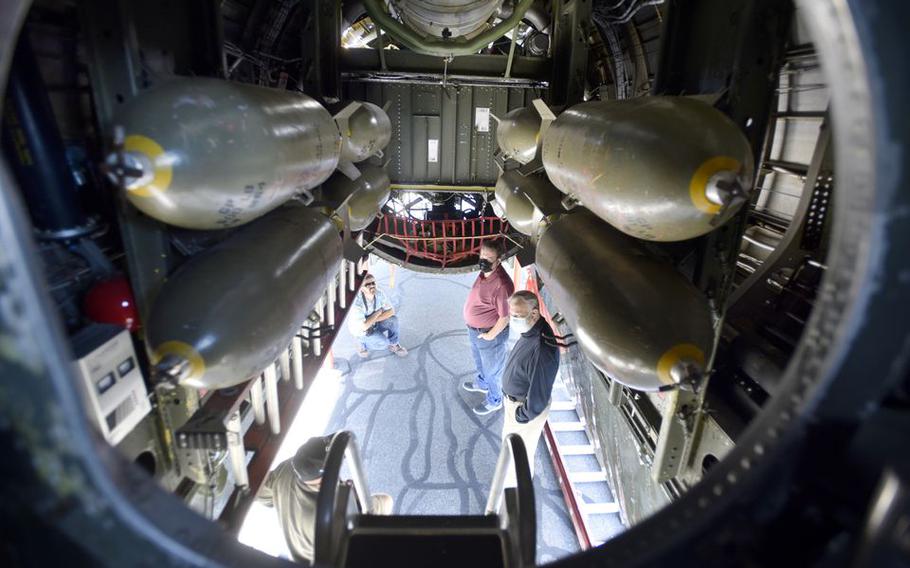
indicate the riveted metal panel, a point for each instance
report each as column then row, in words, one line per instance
column 516, row 99
column 404, row 137
column 373, row 92
column 423, row 112
column 426, row 99
column 483, row 144
column 464, row 128
column 419, row 147
column 434, row 136
column 448, row 133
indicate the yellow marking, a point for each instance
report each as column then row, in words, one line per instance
column 698, row 186
column 19, row 142
column 334, row 217
column 157, row 156
column 184, row 350
column 392, row 275
column 25, row 155
column 680, row 352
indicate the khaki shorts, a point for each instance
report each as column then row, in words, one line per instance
column 529, row 432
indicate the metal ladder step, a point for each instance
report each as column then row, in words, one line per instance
column 783, row 167
column 587, row 476
column 800, row 115
column 577, row 450
column 567, row 426
column 579, row 474
column 599, row 508
column 562, row 405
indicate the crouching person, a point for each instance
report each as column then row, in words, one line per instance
column 292, row 489
column 373, row 322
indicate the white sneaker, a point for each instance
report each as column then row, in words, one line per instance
column 470, row 386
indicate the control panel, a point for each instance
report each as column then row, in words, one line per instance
column 111, row 382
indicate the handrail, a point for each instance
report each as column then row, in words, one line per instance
column 438, row 46
column 343, row 444
column 513, row 451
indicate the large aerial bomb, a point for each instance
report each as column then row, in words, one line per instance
column 656, row 168
column 231, row 311
column 518, row 133
column 527, row 200
column 361, row 198
column 211, row 154
column 366, row 133
column 638, row 320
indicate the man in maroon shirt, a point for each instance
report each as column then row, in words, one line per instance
column 486, row 313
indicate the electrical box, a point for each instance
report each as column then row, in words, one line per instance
column 111, row 382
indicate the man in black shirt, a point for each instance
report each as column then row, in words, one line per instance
column 527, row 381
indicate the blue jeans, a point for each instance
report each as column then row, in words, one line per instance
column 378, row 340
column 490, row 360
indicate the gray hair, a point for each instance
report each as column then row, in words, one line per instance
column 528, row 297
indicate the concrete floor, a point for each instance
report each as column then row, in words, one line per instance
column 419, row 439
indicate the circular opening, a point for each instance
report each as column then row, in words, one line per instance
column 147, row 462
column 803, row 372
column 708, row 462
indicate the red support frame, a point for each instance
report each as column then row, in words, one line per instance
column 445, row 242
column 578, row 521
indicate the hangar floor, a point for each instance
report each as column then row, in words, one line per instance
column 419, row 439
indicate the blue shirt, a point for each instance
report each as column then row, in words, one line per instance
column 363, row 307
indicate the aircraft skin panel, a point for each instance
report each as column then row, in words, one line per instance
column 444, row 119
column 620, row 450
column 627, row 433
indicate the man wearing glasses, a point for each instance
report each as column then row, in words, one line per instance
column 372, row 321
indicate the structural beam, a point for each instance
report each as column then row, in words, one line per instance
column 493, row 66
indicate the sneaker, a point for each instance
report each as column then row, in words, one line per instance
column 470, row 386
column 398, row 350
column 363, row 352
column 483, row 408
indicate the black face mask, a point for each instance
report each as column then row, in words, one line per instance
column 485, row 265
